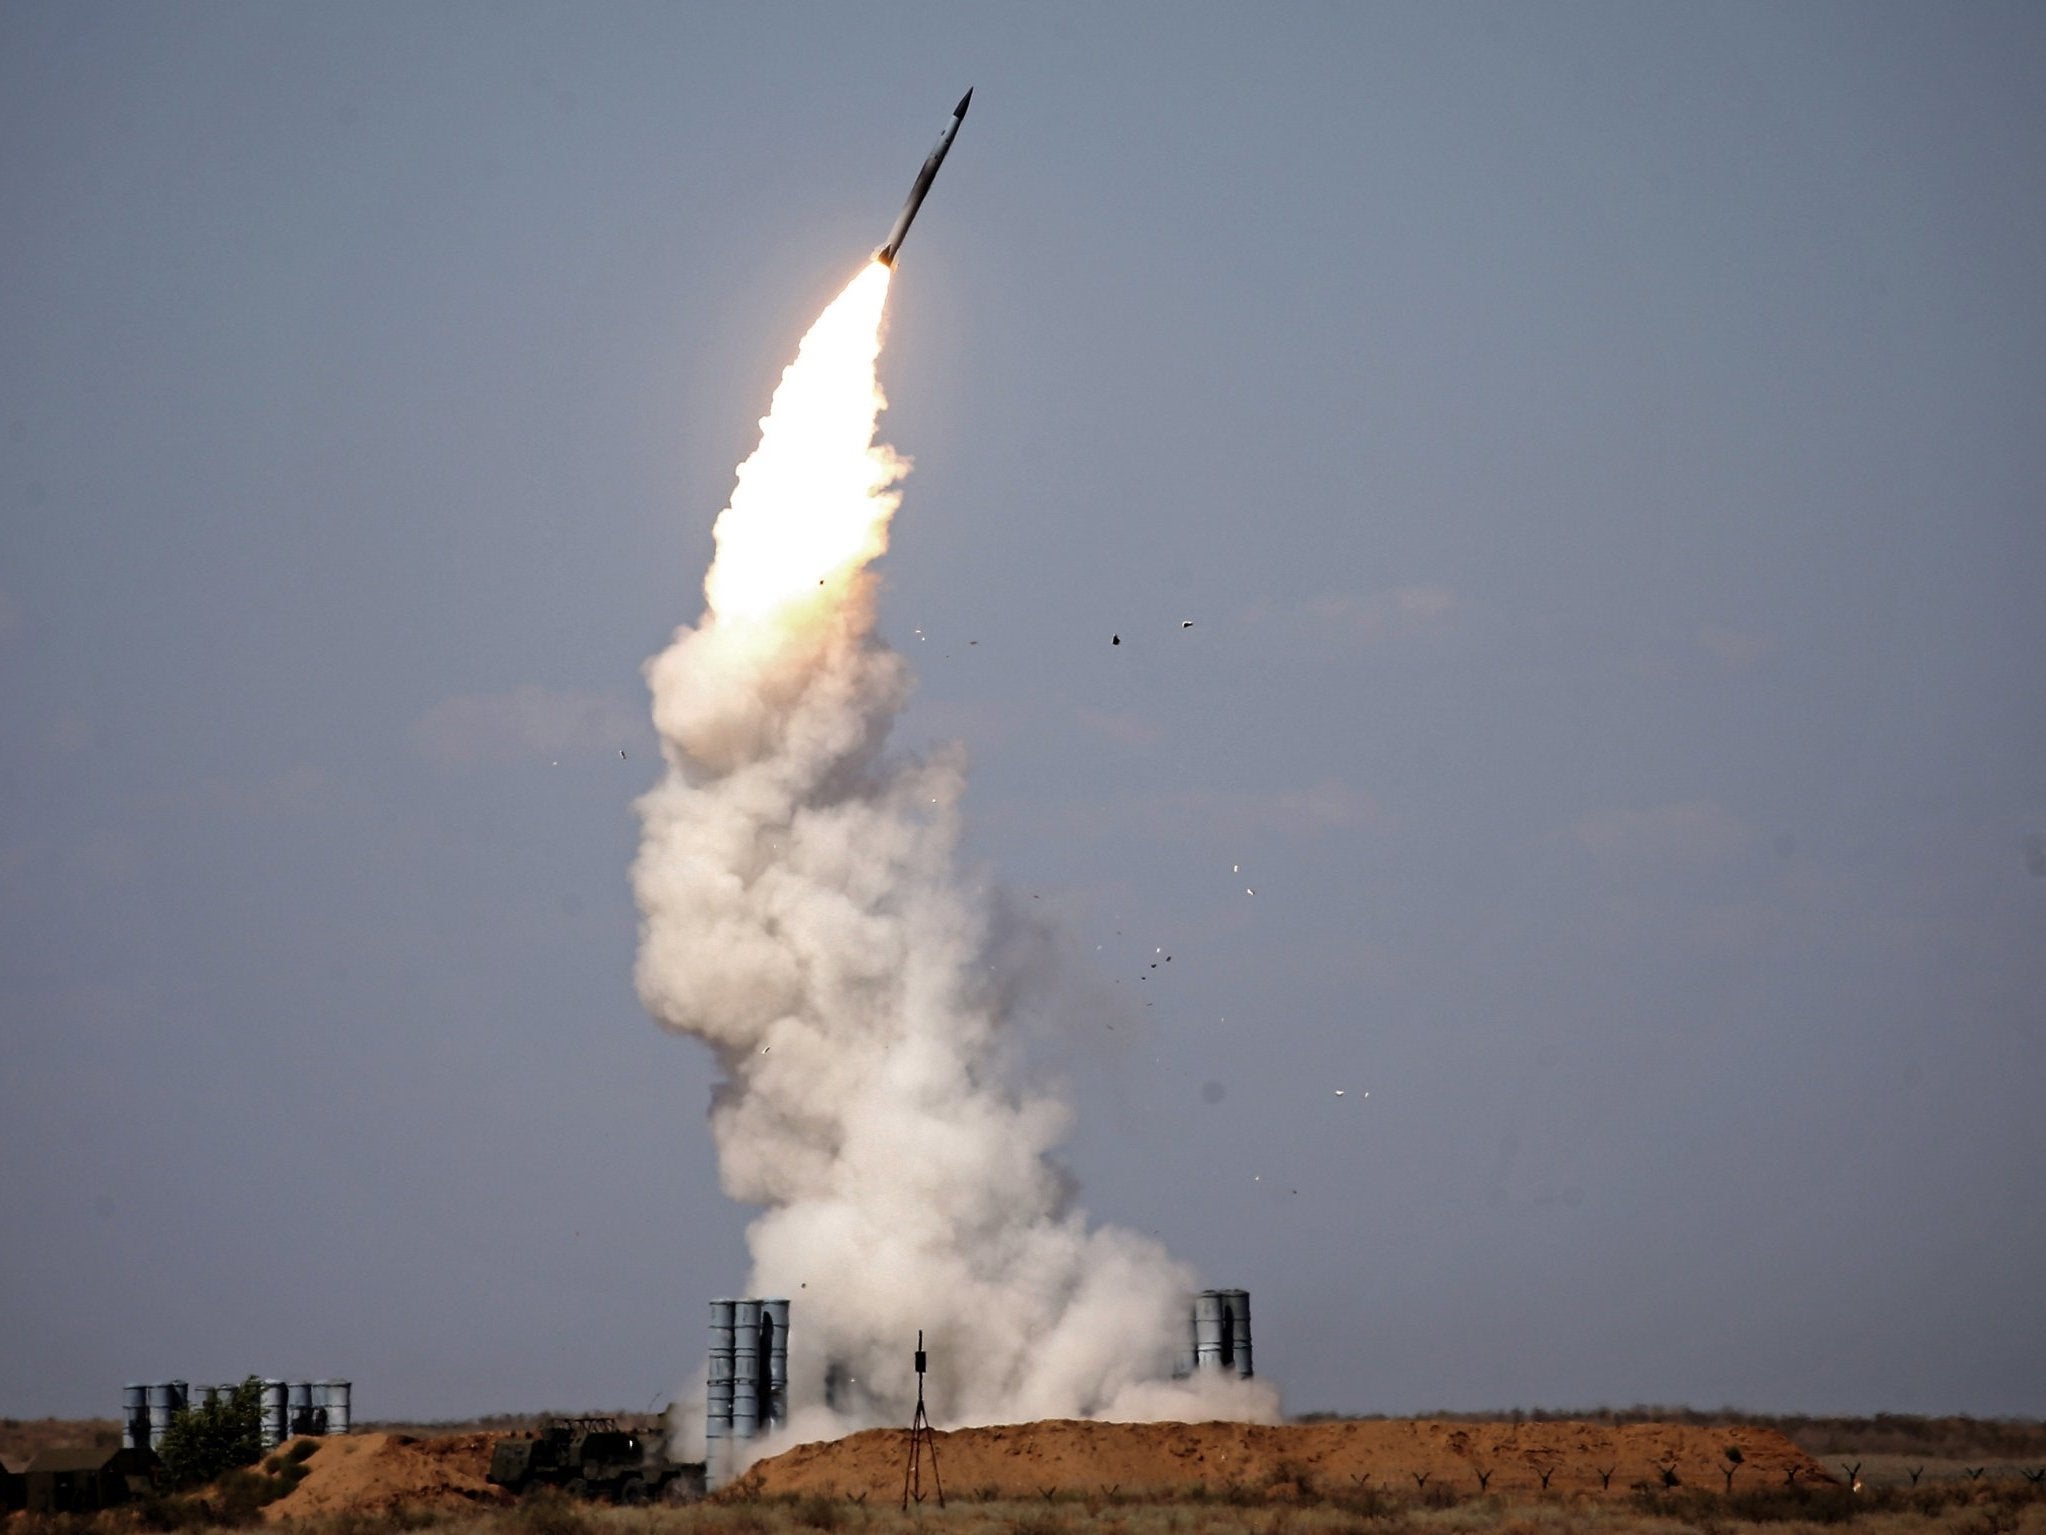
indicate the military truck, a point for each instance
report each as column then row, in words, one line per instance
column 81, row 1481
column 593, row 1458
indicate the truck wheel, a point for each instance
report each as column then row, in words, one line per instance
column 632, row 1492
column 577, row 1488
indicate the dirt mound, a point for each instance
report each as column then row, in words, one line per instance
column 372, row 1473
column 1029, row 1459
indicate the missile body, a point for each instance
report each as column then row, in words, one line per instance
column 886, row 254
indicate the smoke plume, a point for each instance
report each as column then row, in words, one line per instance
column 804, row 915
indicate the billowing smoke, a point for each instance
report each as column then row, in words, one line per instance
column 805, row 916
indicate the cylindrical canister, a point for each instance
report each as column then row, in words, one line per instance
column 339, row 1396
column 1208, row 1313
column 717, row 1400
column 158, row 1396
column 746, row 1366
column 272, row 1414
column 1236, row 1331
column 775, row 1314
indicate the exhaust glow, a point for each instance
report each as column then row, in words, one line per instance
column 813, row 502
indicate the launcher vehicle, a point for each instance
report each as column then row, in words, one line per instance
column 593, row 1458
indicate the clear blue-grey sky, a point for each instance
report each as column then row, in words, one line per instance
column 1601, row 449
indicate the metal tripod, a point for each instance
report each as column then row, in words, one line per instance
column 920, row 1437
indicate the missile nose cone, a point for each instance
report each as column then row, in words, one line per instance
column 960, row 110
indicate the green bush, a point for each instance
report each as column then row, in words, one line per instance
column 203, row 1443
column 237, row 1501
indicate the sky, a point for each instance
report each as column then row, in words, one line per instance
column 1596, row 814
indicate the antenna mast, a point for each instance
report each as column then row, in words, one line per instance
column 920, row 1436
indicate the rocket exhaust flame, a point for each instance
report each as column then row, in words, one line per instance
column 813, row 502
column 803, row 914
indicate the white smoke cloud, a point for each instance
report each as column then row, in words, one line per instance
column 805, row 915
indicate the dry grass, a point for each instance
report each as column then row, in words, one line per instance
column 1945, row 1499
column 1907, row 1435
column 1987, row 1507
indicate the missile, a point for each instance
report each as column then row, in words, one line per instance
column 886, row 254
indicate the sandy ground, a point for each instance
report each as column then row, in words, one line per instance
column 1060, row 1456
column 374, row 1472
column 377, row 1472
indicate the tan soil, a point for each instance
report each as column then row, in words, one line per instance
column 375, row 1472
column 1030, row 1459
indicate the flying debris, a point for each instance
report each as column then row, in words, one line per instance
column 1186, row 623
column 886, row 254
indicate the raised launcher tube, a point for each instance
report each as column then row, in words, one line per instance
column 717, row 1400
column 747, row 1369
column 166, row 1399
column 336, row 1398
column 134, row 1417
column 747, row 1390
column 1207, row 1330
column 1236, row 1332
column 1221, row 1332
column 774, row 1331
column 272, row 1417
